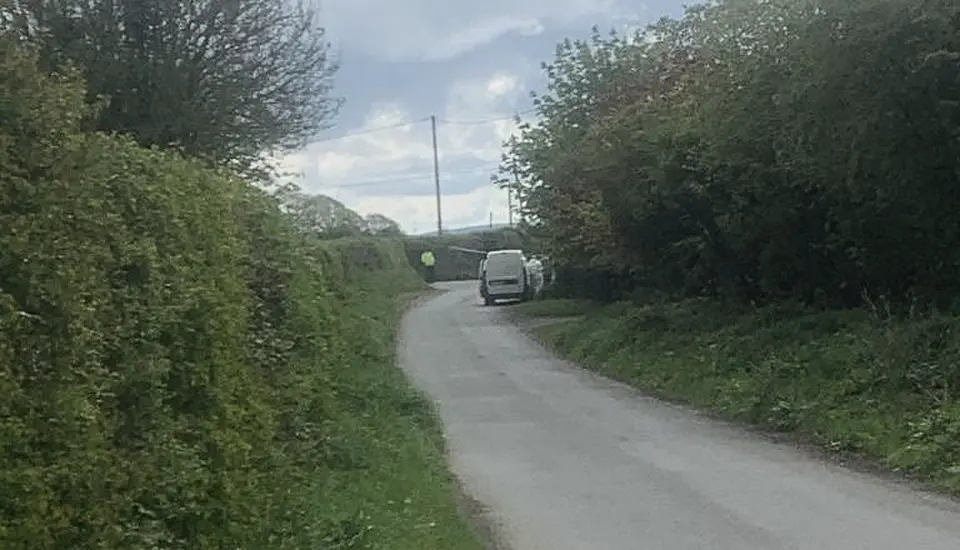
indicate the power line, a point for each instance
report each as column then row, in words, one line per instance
column 419, row 177
column 375, row 129
column 436, row 167
column 488, row 120
column 420, row 120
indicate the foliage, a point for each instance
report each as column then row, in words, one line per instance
column 226, row 80
column 757, row 151
column 845, row 380
column 327, row 218
column 378, row 224
column 321, row 215
column 192, row 374
column 745, row 176
column 392, row 489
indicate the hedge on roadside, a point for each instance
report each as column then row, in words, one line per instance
column 167, row 342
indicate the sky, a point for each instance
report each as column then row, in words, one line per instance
column 472, row 65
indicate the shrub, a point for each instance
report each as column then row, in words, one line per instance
column 171, row 349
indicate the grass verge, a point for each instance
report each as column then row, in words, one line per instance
column 882, row 390
column 392, row 488
column 559, row 307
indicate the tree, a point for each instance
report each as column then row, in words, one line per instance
column 321, row 215
column 227, row 80
column 378, row 224
column 575, row 199
column 326, row 217
column 761, row 150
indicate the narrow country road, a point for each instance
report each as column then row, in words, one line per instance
column 566, row 460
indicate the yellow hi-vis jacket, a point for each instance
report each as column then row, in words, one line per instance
column 427, row 259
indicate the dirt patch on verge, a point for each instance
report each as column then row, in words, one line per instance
column 481, row 520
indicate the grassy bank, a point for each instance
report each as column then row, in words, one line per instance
column 881, row 388
column 390, row 487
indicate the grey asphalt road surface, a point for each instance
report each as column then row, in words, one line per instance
column 566, row 460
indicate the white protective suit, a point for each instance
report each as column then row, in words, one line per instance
column 535, row 276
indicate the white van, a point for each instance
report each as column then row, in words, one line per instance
column 504, row 276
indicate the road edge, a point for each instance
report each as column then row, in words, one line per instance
column 838, row 459
column 489, row 532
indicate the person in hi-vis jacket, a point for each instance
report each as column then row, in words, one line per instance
column 429, row 262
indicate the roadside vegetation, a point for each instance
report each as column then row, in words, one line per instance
column 183, row 363
column 765, row 201
column 839, row 379
column 387, row 483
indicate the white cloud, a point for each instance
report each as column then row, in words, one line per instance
column 483, row 33
column 390, row 170
column 441, row 29
column 500, row 85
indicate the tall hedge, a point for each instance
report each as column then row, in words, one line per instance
column 784, row 150
column 166, row 342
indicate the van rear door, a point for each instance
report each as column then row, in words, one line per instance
column 505, row 275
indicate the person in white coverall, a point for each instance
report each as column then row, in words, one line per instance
column 535, row 276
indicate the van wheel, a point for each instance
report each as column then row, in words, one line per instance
column 488, row 301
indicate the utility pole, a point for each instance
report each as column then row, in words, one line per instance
column 436, row 172
column 491, row 220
